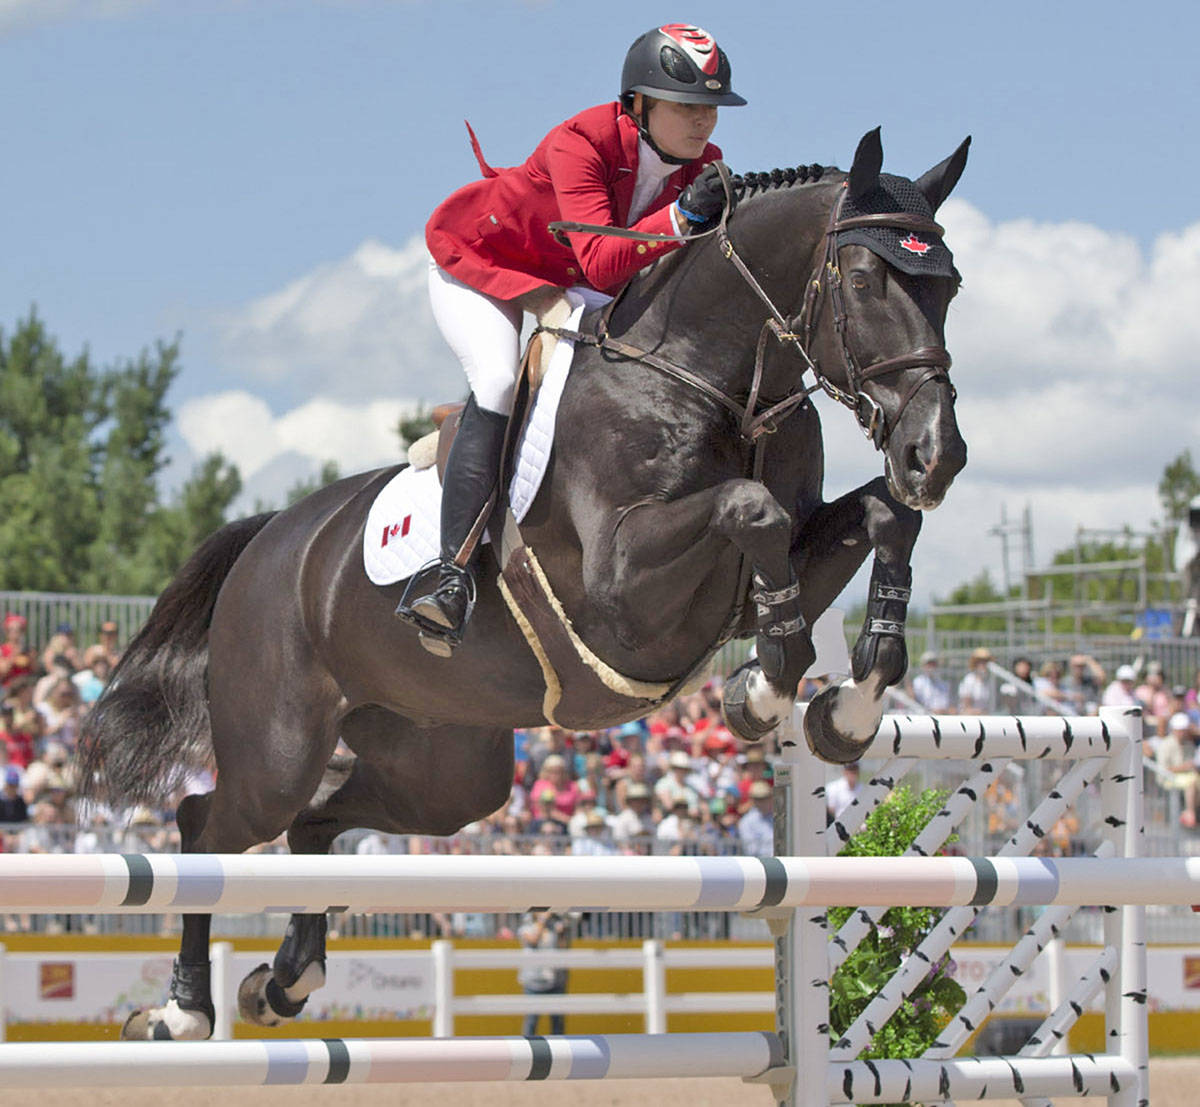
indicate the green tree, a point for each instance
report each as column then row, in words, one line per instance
column 174, row 531
column 133, row 459
column 1179, row 485
column 414, row 425
column 329, row 472
column 49, row 409
column 81, row 451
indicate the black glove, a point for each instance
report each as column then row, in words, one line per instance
column 703, row 201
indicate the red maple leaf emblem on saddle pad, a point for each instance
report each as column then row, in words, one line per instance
column 915, row 246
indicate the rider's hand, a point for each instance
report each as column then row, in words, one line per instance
column 702, row 202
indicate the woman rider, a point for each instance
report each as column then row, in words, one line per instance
column 642, row 162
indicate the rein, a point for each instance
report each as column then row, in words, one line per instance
column 751, row 422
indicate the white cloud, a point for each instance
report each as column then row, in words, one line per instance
column 241, row 426
column 1076, row 353
column 349, row 330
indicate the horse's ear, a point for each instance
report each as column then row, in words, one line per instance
column 868, row 161
column 938, row 183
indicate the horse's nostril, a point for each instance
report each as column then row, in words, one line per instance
column 914, row 460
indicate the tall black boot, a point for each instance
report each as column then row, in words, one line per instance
column 472, row 470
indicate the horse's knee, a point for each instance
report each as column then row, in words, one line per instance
column 746, row 507
column 891, row 527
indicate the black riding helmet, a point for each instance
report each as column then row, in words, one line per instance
column 677, row 62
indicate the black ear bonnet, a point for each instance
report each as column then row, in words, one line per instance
column 918, row 253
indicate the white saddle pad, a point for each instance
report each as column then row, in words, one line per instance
column 403, row 530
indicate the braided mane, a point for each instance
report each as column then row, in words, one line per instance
column 747, row 184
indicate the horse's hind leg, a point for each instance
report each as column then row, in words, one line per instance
column 188, row 1013
column 404, row 780
column 274, row 994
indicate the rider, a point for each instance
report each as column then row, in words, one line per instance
column 642, row 162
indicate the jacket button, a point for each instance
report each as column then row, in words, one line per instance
column 641, row 248
column 570, row 270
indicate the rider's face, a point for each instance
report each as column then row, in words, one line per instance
column 682, row 130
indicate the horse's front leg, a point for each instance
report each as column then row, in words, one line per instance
column 659, row 573
column 843, row 718
column 831, row 546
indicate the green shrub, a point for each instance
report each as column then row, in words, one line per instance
column 889, row 830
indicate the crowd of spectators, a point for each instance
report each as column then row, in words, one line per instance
column 675, row 782
column 47, row 692
column 1170, row 712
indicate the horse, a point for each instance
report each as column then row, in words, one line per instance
column 682, row 506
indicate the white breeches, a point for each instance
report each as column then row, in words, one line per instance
column 483, row 332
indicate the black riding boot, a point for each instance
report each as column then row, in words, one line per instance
column 472, row 470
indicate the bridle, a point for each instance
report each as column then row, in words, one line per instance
column 753, row 422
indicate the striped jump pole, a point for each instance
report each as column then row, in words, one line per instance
column 386, row 1061
column 233, row 884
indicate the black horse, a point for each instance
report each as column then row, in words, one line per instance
column 687, row 454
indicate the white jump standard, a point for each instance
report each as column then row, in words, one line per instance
column 799, row 1062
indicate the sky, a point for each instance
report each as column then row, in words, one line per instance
column 253, row 176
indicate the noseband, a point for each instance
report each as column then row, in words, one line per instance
column 934, row 361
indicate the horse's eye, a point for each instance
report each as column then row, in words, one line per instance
column 858, row 280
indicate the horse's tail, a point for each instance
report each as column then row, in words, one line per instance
column 151, row 724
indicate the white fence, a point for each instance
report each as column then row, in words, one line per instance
column 1101, row 753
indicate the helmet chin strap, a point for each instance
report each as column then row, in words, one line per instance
column 644, row 130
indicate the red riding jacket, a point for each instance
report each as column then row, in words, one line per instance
column 492, row 234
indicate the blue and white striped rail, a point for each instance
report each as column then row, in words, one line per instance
column 230, row 884
column 386, row 1061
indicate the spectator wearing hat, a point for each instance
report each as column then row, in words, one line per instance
column 1120, row 692
column 636, row 772
column 754, row 769
column 977, row 689
column 842, row 792
column 547, row 819
column 105, row 646
column 16, row 659
column 674, row 784
column 635, row 820
column 594, row 841
column 13, row 808
column 585, row 806
column 1176, row 759
column 756, row 828
column 929, row 688
column 678, row 824
column 630, row 739
column 62, row 645
column 51, row 773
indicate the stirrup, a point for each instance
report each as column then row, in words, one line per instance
column 436, row 638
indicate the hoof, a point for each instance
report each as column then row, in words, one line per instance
column 823, row 736
column 171, row 1023
column 137, row 1027
column 252, row 999
column 736, row 711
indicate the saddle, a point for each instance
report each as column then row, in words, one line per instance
column 434, row 448
column 581, row 690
